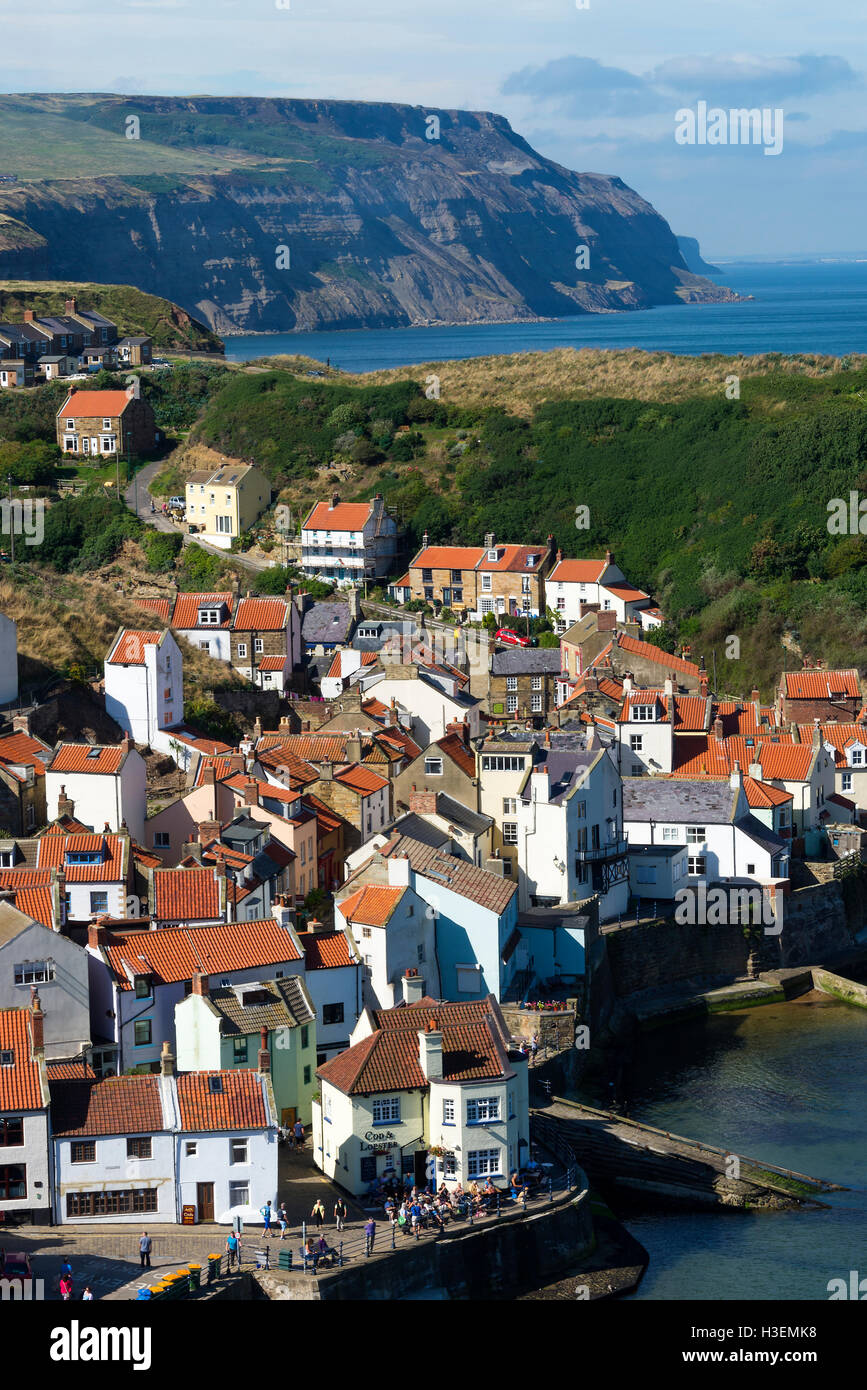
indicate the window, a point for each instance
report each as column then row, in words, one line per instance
column 507, row 868
column 695, row 834
column 525, row 583
column 332, row 1013
column 511, row 682
column 242, row 650
column 857, row 757
column 419, row 953
column 11, row 1131
column 258, row 644
column 99, row 902
column 481, row 1162
column 305, row 1036
column 535, row 682
column 433, row 767
column 139, row 1148
column 82, row 1152
column 428, row 591
column 13, row 1181
column 456, row 577
column 494, row 762
column 457, row 595
column 483, row 1109
column 239, row 1194
column 448, row 1112
column 215, row 1085
column 486, row 583
column 448, row 1166
column 427, row 576
column 751, row 869
column 636, row 742
column 467, row 979
column 846, row 781
column 511, row 704
column 386, row 1110
column 510, row 805
column 306, row 1076
column 645, row 873
column 7, row 1057
column 642, row 712
column 191, row 1148
column 142, row 1030
column 510, row 832
column 669, row 832
column 239, row 1051
column 238, row 1151
column 162, row 838
column 142, row 987
column 34, row 972
column 536, row 704
column 697, row 865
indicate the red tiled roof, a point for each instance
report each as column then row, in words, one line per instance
column 656, row 654
column 843, row 801
column 186, row 612
column 116, row 1105
column 402, row 583
column 184, row 895
column 448, row 557
column 201, row 742
column 93, row 403
column 839, row 736
column 690, row 713
column 371, row 905
column 272, row 663
column 261, row 615
column 239, row 1105
column 316, row 748
column 625, row 591
column 325, row 952
column 455, row 748
column 24, row 878
column 37, row 903
column 86, row 757
column 128, row 650
column 360, row 779
column 70, row 1071
column 25, row 751
column 514, row 558
column 762, row 794
column 346, row 516
column 740, row 717
column 53, row 849
column 577, row 571
column 172, row 954
column 225, row 765
column 20, row 1084
column 388, row 1060
column 326, row 819
column 161, row 606
column 782, row 760
column 375, row 709
column 821, row 684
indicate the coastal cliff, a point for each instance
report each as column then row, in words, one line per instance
column 271, row 215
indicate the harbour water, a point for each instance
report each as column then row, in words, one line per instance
column 786, row 1083
column 815, row 307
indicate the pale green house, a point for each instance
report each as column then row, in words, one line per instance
column 226, row 1026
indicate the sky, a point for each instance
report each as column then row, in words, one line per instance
column 597, row 88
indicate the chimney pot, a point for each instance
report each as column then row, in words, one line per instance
column 167, row 1061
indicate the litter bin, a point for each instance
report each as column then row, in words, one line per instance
column 195, row 1277
column 214, row 1262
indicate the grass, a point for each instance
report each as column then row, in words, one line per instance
column 131, row 309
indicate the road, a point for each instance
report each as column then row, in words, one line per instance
column 138, row 499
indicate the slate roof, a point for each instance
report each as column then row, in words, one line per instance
column 326, row 622
column 565, row 766
column 527, row 661
column 761, row 834
column 116, row 1105
column 461, row 815
column 273, row 1004
column 20, row 1084
column 684, row 800
column 488, row 890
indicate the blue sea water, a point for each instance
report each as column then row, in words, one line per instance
column 804, row 307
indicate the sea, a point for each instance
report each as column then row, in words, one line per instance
column 817, row 306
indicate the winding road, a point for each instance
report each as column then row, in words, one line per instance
column 138, row 498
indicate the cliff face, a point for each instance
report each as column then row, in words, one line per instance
column 384, row 227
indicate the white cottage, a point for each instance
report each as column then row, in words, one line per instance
column 144, row 686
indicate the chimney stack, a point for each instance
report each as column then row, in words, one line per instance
column 209, row 830
column 335, row 500
column 201, row 984
column 718, row 729
column 65, row 806
column 412, row 986
column 264, row 1059
column 736, row 779
column 97, row 932
column 251, row 792
column 37, row 1022
column 70, row 306
column 167, row 1061
column 423, row 803
column 28, row 316
column 430, row 1051
column 21, row 723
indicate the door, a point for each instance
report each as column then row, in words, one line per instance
column 420, row 1172
column 205, row 1200
column 288, row 1116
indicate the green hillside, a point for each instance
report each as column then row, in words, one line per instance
column 718, row 507
column 171, row 327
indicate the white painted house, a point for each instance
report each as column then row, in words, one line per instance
column 144, row 686
column 394, row 931
column 104, row 783
column 25, row 1177
column 8, row 660
column 136, row 1150
column 347, row 542
column 431, row 708
column 421, row 1077
column 573, row 583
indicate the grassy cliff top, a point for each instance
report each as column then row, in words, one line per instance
column 171, row 327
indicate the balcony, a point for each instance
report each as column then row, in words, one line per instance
column 615, row 849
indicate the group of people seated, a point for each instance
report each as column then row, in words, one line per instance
column 317, row 1251
column 413, row 1209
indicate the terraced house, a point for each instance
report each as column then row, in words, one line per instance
column 265, row 639
column 106, row 422
column 348, row 541
column 507, row 580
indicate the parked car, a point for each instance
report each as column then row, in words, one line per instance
column 15, row 1264
column 514, row 639
column 177, row 502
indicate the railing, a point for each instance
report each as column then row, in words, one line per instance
column 615, row 849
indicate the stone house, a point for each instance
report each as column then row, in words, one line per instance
column 106, row 422
column 448, row 765
column 507, row 580
column 523, row 683
column 817, row 693
column 262, row 628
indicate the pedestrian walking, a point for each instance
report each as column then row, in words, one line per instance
column 369, row 1236
column 283, row 1218
column 144, row 1249
column 318, row 1213
column 534, row 1047
column 65, row 1288
column 87, row 1296
column 233, row 1250
column 299, row 1134
column 340, row 1213
column 266, row 1213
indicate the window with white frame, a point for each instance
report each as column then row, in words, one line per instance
column 239, row 1194
column 433, row 767
column 486, row 583
column 483, row 1162
column 386, row 1110
column 696, row 834
column 511, row 704
column 448, row 1112
column 697, row 865
column 242, row 650
column 483, row 1109
column 857, row 757
column 448, row 1166
column 847, row 781
column 636, row 742
column 238, row 1151
column 641, row 712
column 535, row 682
column 510, row 832
column 510, row 805
column 669, row 832
column 535, row 704
column 258, row 644
column 34, row 972
column 511, row 682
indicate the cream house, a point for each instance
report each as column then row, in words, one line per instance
column 225, row 503
column 429, row 1090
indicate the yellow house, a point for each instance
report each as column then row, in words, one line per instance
column 224, row 504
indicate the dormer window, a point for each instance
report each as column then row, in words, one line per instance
column 642, row 712
column 7, row 1057
column 209, row 617
column 215, row 1085
column 531, row 561
column 857, row 757
column 493, row 556
column 83, row 856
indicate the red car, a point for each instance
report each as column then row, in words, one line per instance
column 514, row 639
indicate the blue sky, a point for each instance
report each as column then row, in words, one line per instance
column 596, row 89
